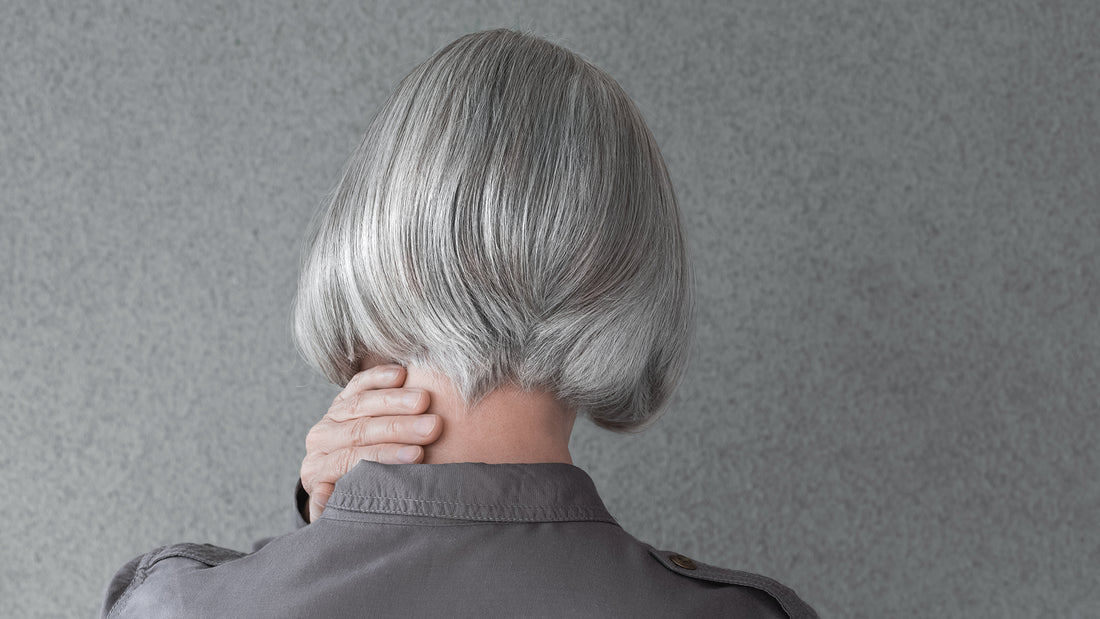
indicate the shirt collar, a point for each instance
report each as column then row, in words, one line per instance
column 545, row 492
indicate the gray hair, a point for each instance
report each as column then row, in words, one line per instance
column 507, row 219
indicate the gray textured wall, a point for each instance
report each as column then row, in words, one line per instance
column 893, row 209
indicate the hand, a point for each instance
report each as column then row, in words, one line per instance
column 371, row 419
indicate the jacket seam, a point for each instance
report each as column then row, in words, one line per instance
column 584, row 517
column 457, row 522
column 399, row 498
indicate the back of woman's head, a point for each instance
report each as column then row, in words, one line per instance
column 507, row 219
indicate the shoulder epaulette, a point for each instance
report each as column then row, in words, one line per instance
column 785, row 596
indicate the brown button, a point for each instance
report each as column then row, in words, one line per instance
column 683, row 562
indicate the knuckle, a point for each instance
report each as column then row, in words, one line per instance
column 356, row 404
column 361, row 433
column 317, row 437
column 388, row 400
column 311, row 439
column 345, row 462
column 309, row 480
column 393, row 427
column 335, row 411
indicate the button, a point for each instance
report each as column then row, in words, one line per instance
column 682, row 561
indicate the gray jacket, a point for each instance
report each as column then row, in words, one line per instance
column 447, row 540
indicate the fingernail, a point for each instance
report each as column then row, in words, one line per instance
column 408, row 453
column 425, row 425
column 390, row 374
column 411, row 399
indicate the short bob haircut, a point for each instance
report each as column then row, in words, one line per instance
column 507, row 219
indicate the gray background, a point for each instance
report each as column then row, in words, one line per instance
column 893, row 209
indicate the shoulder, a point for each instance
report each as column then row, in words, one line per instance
column 130, row 581
column 788, row 601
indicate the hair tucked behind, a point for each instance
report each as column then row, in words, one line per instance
column 507, row 218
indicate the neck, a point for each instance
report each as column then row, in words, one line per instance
column 508, row 425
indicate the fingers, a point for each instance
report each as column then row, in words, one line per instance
column 328, row 468
column 377, row 377
column 378, row 402
column 329, row 436
column 375, row 392
column 319, row 474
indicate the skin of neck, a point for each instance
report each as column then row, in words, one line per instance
column 508, row 425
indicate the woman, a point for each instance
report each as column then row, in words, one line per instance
column 506, row 245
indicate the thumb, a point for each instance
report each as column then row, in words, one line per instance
column 318, row 499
